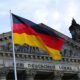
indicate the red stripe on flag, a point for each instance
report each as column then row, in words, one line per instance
column 50, row 41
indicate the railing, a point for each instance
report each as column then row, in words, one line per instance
column 23, row 49
column 36, row 57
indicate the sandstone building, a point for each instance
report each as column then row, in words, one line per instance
column 35, row 64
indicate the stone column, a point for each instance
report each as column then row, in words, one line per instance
column 58, row 75
column 78, row 76
column 3, row 77
column 30, row 74
column 3, row 73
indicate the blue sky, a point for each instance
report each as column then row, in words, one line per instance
column 54, row 13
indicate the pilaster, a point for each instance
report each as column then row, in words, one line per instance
column 58, row 75
column 30, row 74
column 78, row 76
column 3, row 73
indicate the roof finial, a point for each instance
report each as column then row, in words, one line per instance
column 73, row 21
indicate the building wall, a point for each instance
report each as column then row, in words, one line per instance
column 38, row 62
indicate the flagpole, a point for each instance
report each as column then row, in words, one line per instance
column 14, row 57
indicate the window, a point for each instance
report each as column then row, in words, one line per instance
column 10, row 37
column 1, row 39
column 5, row 38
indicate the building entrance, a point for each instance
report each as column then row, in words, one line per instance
column 69, row 76
column 20, row 75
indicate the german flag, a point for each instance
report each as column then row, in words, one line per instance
column 30, row 33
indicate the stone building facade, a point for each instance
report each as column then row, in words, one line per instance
column 35, row 64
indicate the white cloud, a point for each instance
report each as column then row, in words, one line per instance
column 40, row 16
column 71, row 11
column 56, row 16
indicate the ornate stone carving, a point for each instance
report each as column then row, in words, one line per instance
column 4, row 70
column 3, row 73
column 30, row 74
column 58, row 75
